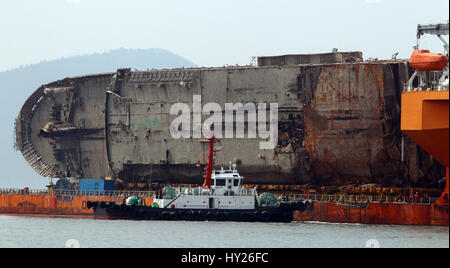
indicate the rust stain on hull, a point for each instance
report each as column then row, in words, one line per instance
column 376, row 213
column 52, row 205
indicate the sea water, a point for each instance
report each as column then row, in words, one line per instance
column 60, row 232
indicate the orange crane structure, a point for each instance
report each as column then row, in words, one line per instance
column 425, row 110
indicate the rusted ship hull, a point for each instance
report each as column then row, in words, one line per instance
column 377, row 213
column 339, row 124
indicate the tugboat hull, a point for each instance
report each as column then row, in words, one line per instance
column 110, row 211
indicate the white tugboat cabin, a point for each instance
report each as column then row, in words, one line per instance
column 226, row 192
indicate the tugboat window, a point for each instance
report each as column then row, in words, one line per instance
column 236, row 182
column 220, row 182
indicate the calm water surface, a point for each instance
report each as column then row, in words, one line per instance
column 18, row 231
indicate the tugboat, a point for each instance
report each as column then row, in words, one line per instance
column 222, row 198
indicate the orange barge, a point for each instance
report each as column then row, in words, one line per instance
column 332, row 212
column 45, row 204
column 378, row 213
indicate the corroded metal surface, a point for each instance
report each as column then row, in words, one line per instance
column 54, row 205
column 377, row 213
column 334, row 57
column 339, row 124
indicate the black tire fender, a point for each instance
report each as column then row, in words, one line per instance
column 309, row 207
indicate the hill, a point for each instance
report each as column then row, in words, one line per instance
column 17, row 85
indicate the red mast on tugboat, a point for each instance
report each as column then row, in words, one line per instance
column 210, row 167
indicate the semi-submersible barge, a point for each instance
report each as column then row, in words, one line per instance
column 340, row 123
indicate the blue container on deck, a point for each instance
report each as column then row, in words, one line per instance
column 96, row 186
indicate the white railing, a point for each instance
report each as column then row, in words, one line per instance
column 22, row 191
column 434, row 81
column 360, row 199
column 201, row 192
column 336, row 198
column 141, row 194
column 180, row 190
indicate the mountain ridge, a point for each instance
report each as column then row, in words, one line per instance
column 17, row 84
column 111, row 51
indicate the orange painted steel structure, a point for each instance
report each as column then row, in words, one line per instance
column 53, row 205
column 425, row 119
column 378, row 213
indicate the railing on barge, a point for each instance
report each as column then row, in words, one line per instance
column 335, row 198
column 364, row 199
column 141, row 194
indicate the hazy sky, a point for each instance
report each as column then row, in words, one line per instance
column 210, row 32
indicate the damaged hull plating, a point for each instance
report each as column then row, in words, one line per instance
column 338, row 124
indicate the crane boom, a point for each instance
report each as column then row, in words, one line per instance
column 434, row 29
